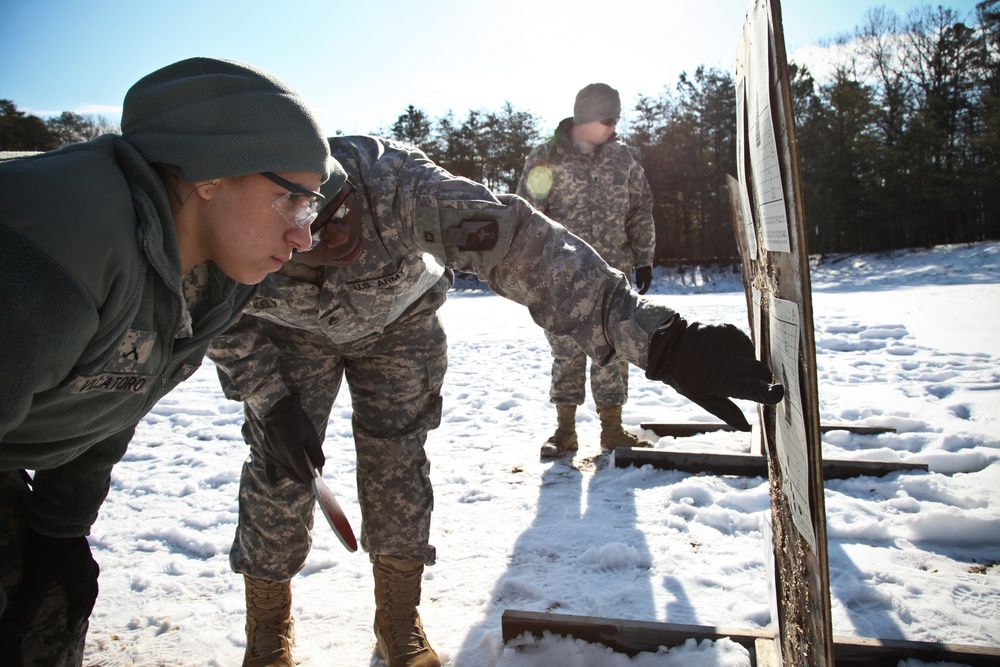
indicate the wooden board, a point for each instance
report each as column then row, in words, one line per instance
column 687, row 429
column 632, row 637
column 749, row 465
column 621, row 635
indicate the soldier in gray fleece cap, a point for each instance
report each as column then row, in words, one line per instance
column 147, row 246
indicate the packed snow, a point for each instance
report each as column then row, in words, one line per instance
column 908, row 339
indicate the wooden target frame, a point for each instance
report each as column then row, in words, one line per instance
column 769, row 223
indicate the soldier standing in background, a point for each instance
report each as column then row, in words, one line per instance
column 586, row 178
column 362, row 305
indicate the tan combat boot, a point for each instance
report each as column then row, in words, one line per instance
column 269, row 623
column 612, row 433
column 398, row 631
column 564, row 439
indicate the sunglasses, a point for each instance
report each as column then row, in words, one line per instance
column 339, row 206
column 299, row 206
column 609, row 122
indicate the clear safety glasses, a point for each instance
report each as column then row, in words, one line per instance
column 299, row 206
column 340, row 207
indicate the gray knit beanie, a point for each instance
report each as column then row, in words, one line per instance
column 205, row 118
column 596, row 101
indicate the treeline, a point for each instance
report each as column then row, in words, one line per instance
column 900, row 147
column 486, row 146
column 25, row 132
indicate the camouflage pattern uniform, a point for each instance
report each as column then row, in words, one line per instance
column 602, row 197
column 375, row 322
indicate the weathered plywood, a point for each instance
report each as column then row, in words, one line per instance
column 779, row 275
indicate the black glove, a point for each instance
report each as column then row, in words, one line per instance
column 643, row 279
column 708, row 364
column 62, row 560
column 288, row 433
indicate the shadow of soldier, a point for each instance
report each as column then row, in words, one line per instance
column 560, row 565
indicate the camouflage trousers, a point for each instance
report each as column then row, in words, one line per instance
column 608, row 384
column 395, row 382
column 44, row 641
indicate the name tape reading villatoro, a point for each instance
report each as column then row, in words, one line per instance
column 125, row 383
column 120, row 383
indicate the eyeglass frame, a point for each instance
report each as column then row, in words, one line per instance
column 610, row 121
column 339, row 201
column 318, row 201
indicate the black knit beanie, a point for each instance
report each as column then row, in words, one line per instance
column 205, row 118
column 596, row 101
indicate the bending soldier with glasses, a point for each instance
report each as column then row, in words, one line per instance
column 362, row 305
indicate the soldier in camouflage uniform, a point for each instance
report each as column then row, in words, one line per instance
column 363, row 305
column 586, row 178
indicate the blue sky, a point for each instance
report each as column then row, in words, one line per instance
column 360, row 64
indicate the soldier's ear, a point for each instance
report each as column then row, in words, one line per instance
column 206, row 189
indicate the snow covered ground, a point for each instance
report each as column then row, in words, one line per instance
column 906, row 339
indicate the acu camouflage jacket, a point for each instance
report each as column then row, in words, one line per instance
column 420, row 222
column 603, row 197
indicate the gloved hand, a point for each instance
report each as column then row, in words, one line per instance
column 643, row 279
column 709, row 364
column 62, row 560
column 288, row 432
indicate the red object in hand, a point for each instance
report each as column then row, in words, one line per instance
column 331, row 510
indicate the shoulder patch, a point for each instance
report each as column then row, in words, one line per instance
column 479, row 235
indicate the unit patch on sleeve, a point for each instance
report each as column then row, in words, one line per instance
column 479, row 235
